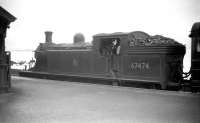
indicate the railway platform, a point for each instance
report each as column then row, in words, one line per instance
column 33, row 100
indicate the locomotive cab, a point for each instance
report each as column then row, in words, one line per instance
column 109, row 46
column 195, row 56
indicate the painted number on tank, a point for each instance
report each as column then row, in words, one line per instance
column 140, row 66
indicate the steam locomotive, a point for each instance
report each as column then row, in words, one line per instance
column 134, row 56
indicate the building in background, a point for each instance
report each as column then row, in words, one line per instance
column 5, row 19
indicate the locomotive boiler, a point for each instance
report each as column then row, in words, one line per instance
column 134, row 56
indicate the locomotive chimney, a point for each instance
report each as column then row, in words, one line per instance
column 48, row 36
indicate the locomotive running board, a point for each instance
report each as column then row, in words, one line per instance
column 86, row 79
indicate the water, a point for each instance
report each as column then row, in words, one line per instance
column 22, row 55
column 18, row 56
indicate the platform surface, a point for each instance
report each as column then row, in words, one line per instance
column 49, row 101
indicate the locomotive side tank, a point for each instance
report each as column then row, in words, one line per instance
column 134, row 56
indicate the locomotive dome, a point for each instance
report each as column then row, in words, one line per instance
column 79, row 38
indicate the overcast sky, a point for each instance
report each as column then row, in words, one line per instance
column 170, row 18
